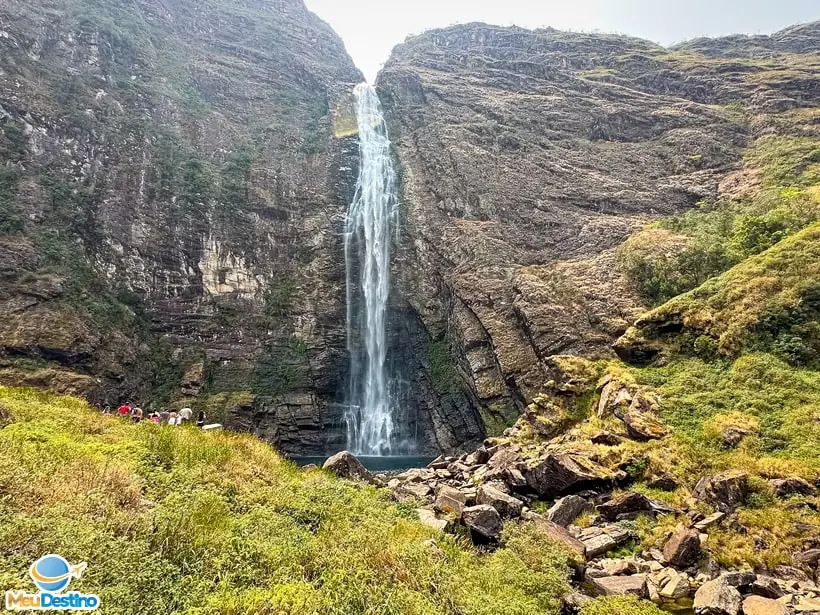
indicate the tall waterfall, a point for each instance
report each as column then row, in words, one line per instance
column 371, row 220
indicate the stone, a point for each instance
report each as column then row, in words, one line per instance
column 345, row 465
column 644, row 426
column 484, row 521
column 556, row 473
column 605, row 542
column 675, row 586
column 756, row 605
column 450, row 500
column 739, row 578
column 786, row 487
column 767, row 587
column 567, row 509
column 606, row 438
column 790, row 573
column 619, row 567
column 725, row 491
column 413, row 491
column 717, row 597
column 707, row 522
column 683, row 547
column 663, row 482
column 506, row 505
column 613, row 395
column 634, row 585
column 571, row 604
column 478, row 457
column 428, row 518
column 560, row 535
column 807, row 605
column 808, row 558
column 629, row 502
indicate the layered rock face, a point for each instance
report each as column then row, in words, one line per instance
column 528, row 156
column 175, row 177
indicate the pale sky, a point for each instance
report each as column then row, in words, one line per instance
column 371, row 28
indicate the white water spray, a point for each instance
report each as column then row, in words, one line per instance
column 371, row 218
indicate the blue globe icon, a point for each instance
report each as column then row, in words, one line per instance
column 51, row 573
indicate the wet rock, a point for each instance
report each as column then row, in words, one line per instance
column 756, row 605
column 717, row 598
column 567, row 509
column 725, row 491
column 629, row 502
column 450, row 501
column 345, row 465
column 484, row 521
column 506, row 505
column 785, row 487
column 621, row 586
column 683, row 547
column 767, row 587
column 555, row 474
column 428, row 518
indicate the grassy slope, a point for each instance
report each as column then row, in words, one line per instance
column 179, row 521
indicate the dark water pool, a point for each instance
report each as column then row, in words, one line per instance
column 374, row 464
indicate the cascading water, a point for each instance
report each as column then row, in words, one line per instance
column 371, row 220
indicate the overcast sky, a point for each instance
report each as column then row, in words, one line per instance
column 371, row 28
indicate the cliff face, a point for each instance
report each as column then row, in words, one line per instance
column 529, row 156
column 175, row 179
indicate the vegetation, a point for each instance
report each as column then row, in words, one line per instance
column 177, row 520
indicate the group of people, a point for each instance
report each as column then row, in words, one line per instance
column 181, row 417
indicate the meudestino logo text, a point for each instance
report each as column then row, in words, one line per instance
column 52, row 574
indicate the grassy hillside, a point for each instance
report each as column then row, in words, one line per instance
column 180, row 521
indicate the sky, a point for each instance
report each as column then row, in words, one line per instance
column 371, row 28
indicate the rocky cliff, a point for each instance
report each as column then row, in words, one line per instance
column 528, row 157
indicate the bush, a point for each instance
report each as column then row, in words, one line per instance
column 620, row 605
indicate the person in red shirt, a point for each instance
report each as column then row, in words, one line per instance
column 124, row 410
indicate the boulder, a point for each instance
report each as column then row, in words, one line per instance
column 621, row 586
column 450, row 500
column 717, row 597
column 629, row 502
column 663, row 482
column 345, row 465
column 506, row 505
column 673, row 585
column 614, row 395
column 767, row 587
column 567, row 509
column 619, row 567
column 483, row 520
column 808, row 558
column 571, row 604
column 807, row 606
column 428, row 518
column 707, row 522
column 739, row 578
column 606, row 438
column 556, row 473
column 413, row 491
column 478, row 457
column 558, row 534
column 785, row 487
column 603, row 542
column 683, row 547
column 756, row 605
column 725, row 491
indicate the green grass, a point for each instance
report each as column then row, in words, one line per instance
column 173, row 520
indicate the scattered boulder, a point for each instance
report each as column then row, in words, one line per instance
column 644, row 426
column 807, row 605
column 571, row 604
column 413, row 491
column 567, row 509
column 556, row 473
column 755, row 605
column 599, row 541
column 663, row 482
column 614, row 395
column 767, row 587
column 808, row 558
column 672, row 585
column 477, row 457
column 625, row 503
column 739, row 578
column 619, row 567
column 606, row 438
column 786, row 487
column 707, row 522
column 484, row 521
column 506, row 505
column 683, row 547
column 450, row 501
column 725, row 491
column 634, row 585
column 717, row 597
column 428, row 518
column 345, row 465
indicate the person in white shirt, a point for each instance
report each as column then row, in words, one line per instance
column 184, row 415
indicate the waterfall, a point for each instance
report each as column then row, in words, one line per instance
column 371, row 219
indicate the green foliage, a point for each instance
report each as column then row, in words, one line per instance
column 443, row 370
column 13, row 149
column 177, row 520
column 619, row 605
column 278, row 298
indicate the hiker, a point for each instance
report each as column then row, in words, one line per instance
column 172, row 419
column 200, row 419
column 136, row 414
column 106, row 410
column 154, row 417
column 184, row 415
column 163, row 415
column 124, row 410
